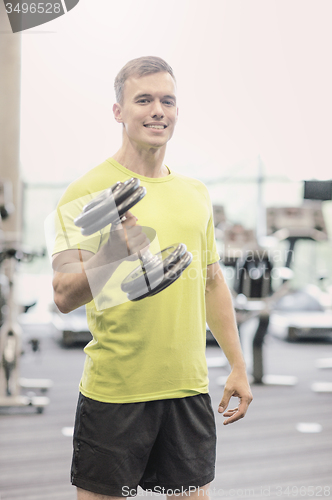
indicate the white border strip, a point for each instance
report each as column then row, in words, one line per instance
column 64, row 6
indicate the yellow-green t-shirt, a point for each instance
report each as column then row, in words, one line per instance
column 153, row 348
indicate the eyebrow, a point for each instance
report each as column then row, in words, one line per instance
column 141, row 96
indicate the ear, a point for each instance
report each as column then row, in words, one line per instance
column 117, row 111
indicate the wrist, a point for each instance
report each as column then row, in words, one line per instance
column 239, row 366
column 106, row 255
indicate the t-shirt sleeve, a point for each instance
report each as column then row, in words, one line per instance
column 67, row 235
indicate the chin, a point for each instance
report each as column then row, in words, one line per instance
column 156, row 144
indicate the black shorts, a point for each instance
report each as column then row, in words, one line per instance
column 163, row 446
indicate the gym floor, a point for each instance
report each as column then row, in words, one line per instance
column 265, row 455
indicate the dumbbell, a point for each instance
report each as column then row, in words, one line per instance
column 157, row 271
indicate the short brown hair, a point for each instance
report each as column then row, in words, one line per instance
column 139, row 67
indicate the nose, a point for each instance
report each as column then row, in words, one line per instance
column 157, row 110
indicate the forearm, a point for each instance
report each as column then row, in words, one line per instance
column 220, row 317
column 80, row 276
column 76, row 284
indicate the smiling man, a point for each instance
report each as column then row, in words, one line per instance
column 144, row 415
column 147, row 109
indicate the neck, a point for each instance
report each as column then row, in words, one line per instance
column 148, row 162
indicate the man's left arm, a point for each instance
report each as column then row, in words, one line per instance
column 221, row 320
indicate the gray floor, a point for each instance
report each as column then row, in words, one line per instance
column 262, row 456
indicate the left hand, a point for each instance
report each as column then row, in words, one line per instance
column 237, row 385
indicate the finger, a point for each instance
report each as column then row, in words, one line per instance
column 132, row 231
column 137, row 238
column 225, row 400
column 238, row 414
column 229, row 413
column 138, row 243
column 130, row 219
column 129, row 215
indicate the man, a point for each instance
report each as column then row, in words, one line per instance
column 144, row 415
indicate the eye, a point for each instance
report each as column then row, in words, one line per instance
column 169, row 103
column 143, row 101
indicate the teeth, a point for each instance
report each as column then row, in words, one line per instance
column 155, row 126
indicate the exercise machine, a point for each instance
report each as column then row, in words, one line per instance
column 11, row 385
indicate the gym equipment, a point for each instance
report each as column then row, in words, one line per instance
column 317, row 190
column 6, row 196
column 252, row 340
column 253, row 275
column 304, row 312
column 156, row 272
column 236, row 239
column 296, row 223
column 253, row 300
column 10, row 343
column 253, row 294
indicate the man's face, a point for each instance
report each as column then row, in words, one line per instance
column 149, row 112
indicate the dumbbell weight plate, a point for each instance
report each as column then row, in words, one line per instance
column 152, row 272
column 174, row 273
column 128, row 203
column 96, row 208
column 102, row 196
column 109, row 206
column 125, row 190
column 170, row 277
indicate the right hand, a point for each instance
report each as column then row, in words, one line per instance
column 127, row 239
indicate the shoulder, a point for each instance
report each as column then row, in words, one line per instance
column 95, row 180
column 192, row 183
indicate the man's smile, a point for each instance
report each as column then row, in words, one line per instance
column 157, row 126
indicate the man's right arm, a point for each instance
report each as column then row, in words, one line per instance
column 71, row 285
